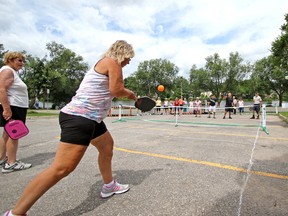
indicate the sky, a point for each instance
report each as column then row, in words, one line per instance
column 185, row 32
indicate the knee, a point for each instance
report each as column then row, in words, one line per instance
column 107, row 152
column 5, row 136
column 62, row 171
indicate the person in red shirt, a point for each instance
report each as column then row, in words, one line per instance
column 181, row 104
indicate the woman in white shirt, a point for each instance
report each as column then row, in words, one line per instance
column 14, row 105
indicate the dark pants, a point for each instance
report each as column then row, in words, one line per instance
column 18, row 113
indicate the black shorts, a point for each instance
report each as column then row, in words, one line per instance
column 229, row 109
column 18, row 113
column 79, row 130
column 256, row 107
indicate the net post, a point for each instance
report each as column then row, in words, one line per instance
column 276, row 108
column 263, row 123
column 119, row 114
column 176, row 114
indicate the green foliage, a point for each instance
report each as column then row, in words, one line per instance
column 66, row 70
column 55, row 79
column 236, row 72
column 2, row 53
column 277, row 66
column 199, row 81
column 149, row 75
column 279, row 49
column 219, row 76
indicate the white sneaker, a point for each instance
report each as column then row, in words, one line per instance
column 115, row 189
column 9, row 213
column 3, row 162
column 17, row 166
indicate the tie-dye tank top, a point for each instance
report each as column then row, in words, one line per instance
column 93, row 99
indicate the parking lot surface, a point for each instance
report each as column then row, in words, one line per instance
column 198, row 166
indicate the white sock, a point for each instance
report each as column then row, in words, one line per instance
column 109, row 185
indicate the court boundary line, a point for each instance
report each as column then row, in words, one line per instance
column 206, row 163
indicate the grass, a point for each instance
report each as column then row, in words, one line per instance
column 284, row 114
column 43, row 113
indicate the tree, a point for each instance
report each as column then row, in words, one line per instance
column 279, row 61
column 268, row 76
column 219, row 75
column 35, row 78
column 65, row 70
column 236, row 72
column 54, row 78
column 2, row 53
column 217, row 72
column 182, row 88
column 199, row 81
column 150, row 74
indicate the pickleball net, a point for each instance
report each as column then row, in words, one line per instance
column 180, row 116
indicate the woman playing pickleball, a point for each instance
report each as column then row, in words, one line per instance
column 81, row 123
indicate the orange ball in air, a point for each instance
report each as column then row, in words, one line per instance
column 161, row 88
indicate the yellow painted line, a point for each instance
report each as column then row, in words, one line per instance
column 218, row 165
column 215, row 133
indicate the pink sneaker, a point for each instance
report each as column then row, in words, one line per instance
column 115, row 189
column 9, row 213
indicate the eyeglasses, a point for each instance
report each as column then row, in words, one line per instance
column 21, row 60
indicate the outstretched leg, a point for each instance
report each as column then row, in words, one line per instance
column 66, row 160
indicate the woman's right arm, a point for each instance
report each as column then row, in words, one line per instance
column 116, row 82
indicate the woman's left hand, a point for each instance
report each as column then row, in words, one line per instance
column 7, row 114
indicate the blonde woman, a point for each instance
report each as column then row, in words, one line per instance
column 158, row 105
column 81, row 123
column 14, row 105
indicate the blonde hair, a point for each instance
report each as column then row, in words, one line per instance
column 10, row 56
column 120, row 50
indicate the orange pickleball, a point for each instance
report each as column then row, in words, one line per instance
column 161, row 88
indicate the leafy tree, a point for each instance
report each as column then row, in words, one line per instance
column 279, row 60
column 236, row 72
column 65, row 70
column 268, row 76
column 181, row 88
column 2, row 53
column 54, row 78
column 199, row 81
column 279, row 49
column 246, row 88
column 219, row 75
column 150, row 74
column 35, row 78
column 217, row 70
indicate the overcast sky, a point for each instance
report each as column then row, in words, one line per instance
column 184, row 32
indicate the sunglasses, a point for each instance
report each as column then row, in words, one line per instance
column 21, row 60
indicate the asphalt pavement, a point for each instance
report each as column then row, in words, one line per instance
column 197, row 166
